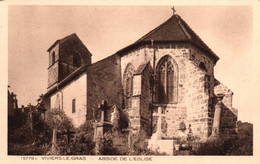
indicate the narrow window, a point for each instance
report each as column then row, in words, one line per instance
column 129, row 91
column 74, row 106
column 53, row 57
column 50, row 58
column 170, row 82
column 207, row 84
column 203, row 67
column 76, row 60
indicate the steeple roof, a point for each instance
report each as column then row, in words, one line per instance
column 175, row 29
column 59, row 41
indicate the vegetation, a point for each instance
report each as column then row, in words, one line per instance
column 81, row 142
column 27, row 138
column 238, row 144
column 35, row 138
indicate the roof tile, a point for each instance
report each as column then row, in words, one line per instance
column 174, row 29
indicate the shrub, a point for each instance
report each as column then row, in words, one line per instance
column 82, row 142
column 213, row 147
column 243, row 145
column 29, row 149
column 105, row 145
column 22, row 141
column 139, row 145
column 237, row 144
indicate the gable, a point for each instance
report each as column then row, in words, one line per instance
column 175, row 29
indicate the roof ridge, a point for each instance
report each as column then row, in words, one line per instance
column 182, row 27
column 61, row 40
column 173, row 29
column 79, row 71
column 194, row 33
column 153, row 31
column 141, row 67
column 67, row 37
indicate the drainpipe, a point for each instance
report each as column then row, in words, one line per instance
column 153, row 83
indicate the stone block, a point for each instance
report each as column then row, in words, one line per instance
column 162, row 146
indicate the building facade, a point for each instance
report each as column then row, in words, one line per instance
column 169, row 67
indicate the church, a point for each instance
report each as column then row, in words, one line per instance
column 170, row 68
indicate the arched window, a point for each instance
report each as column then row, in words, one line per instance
column 167, row 74
column 128, row 86
column 76, row 60
column 53, row 58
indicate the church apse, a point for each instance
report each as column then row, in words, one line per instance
column 170, row 68
column 185, row 91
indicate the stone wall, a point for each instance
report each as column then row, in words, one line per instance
column 194, row 90
column 65, row 70
column 200, row 92
column 197, row 101
column 62, row 99
column 104, row 83
column 56, row 51
column 135, row 110
column 145, row 104
column 222, row 89
column 64, row 65
column 53, row 69
column 228, row 121
column 47, row 103
column 72, row 46
column 174, row 112
column 229, row 114
column 140, row 112
column 53, row 75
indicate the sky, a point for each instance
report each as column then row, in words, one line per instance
column 227, row 30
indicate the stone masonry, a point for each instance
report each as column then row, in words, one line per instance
column 170, row 67
column 192, row 105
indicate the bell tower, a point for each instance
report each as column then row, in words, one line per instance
column 66, row 56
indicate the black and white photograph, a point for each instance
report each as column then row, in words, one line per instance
column 130, row 82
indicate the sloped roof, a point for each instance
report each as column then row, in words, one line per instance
column 78, row 72
column 62, row 40
column 66, row 80
column 141, row 68
column 175, row 29
column 222, row 89
column 170, row 30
